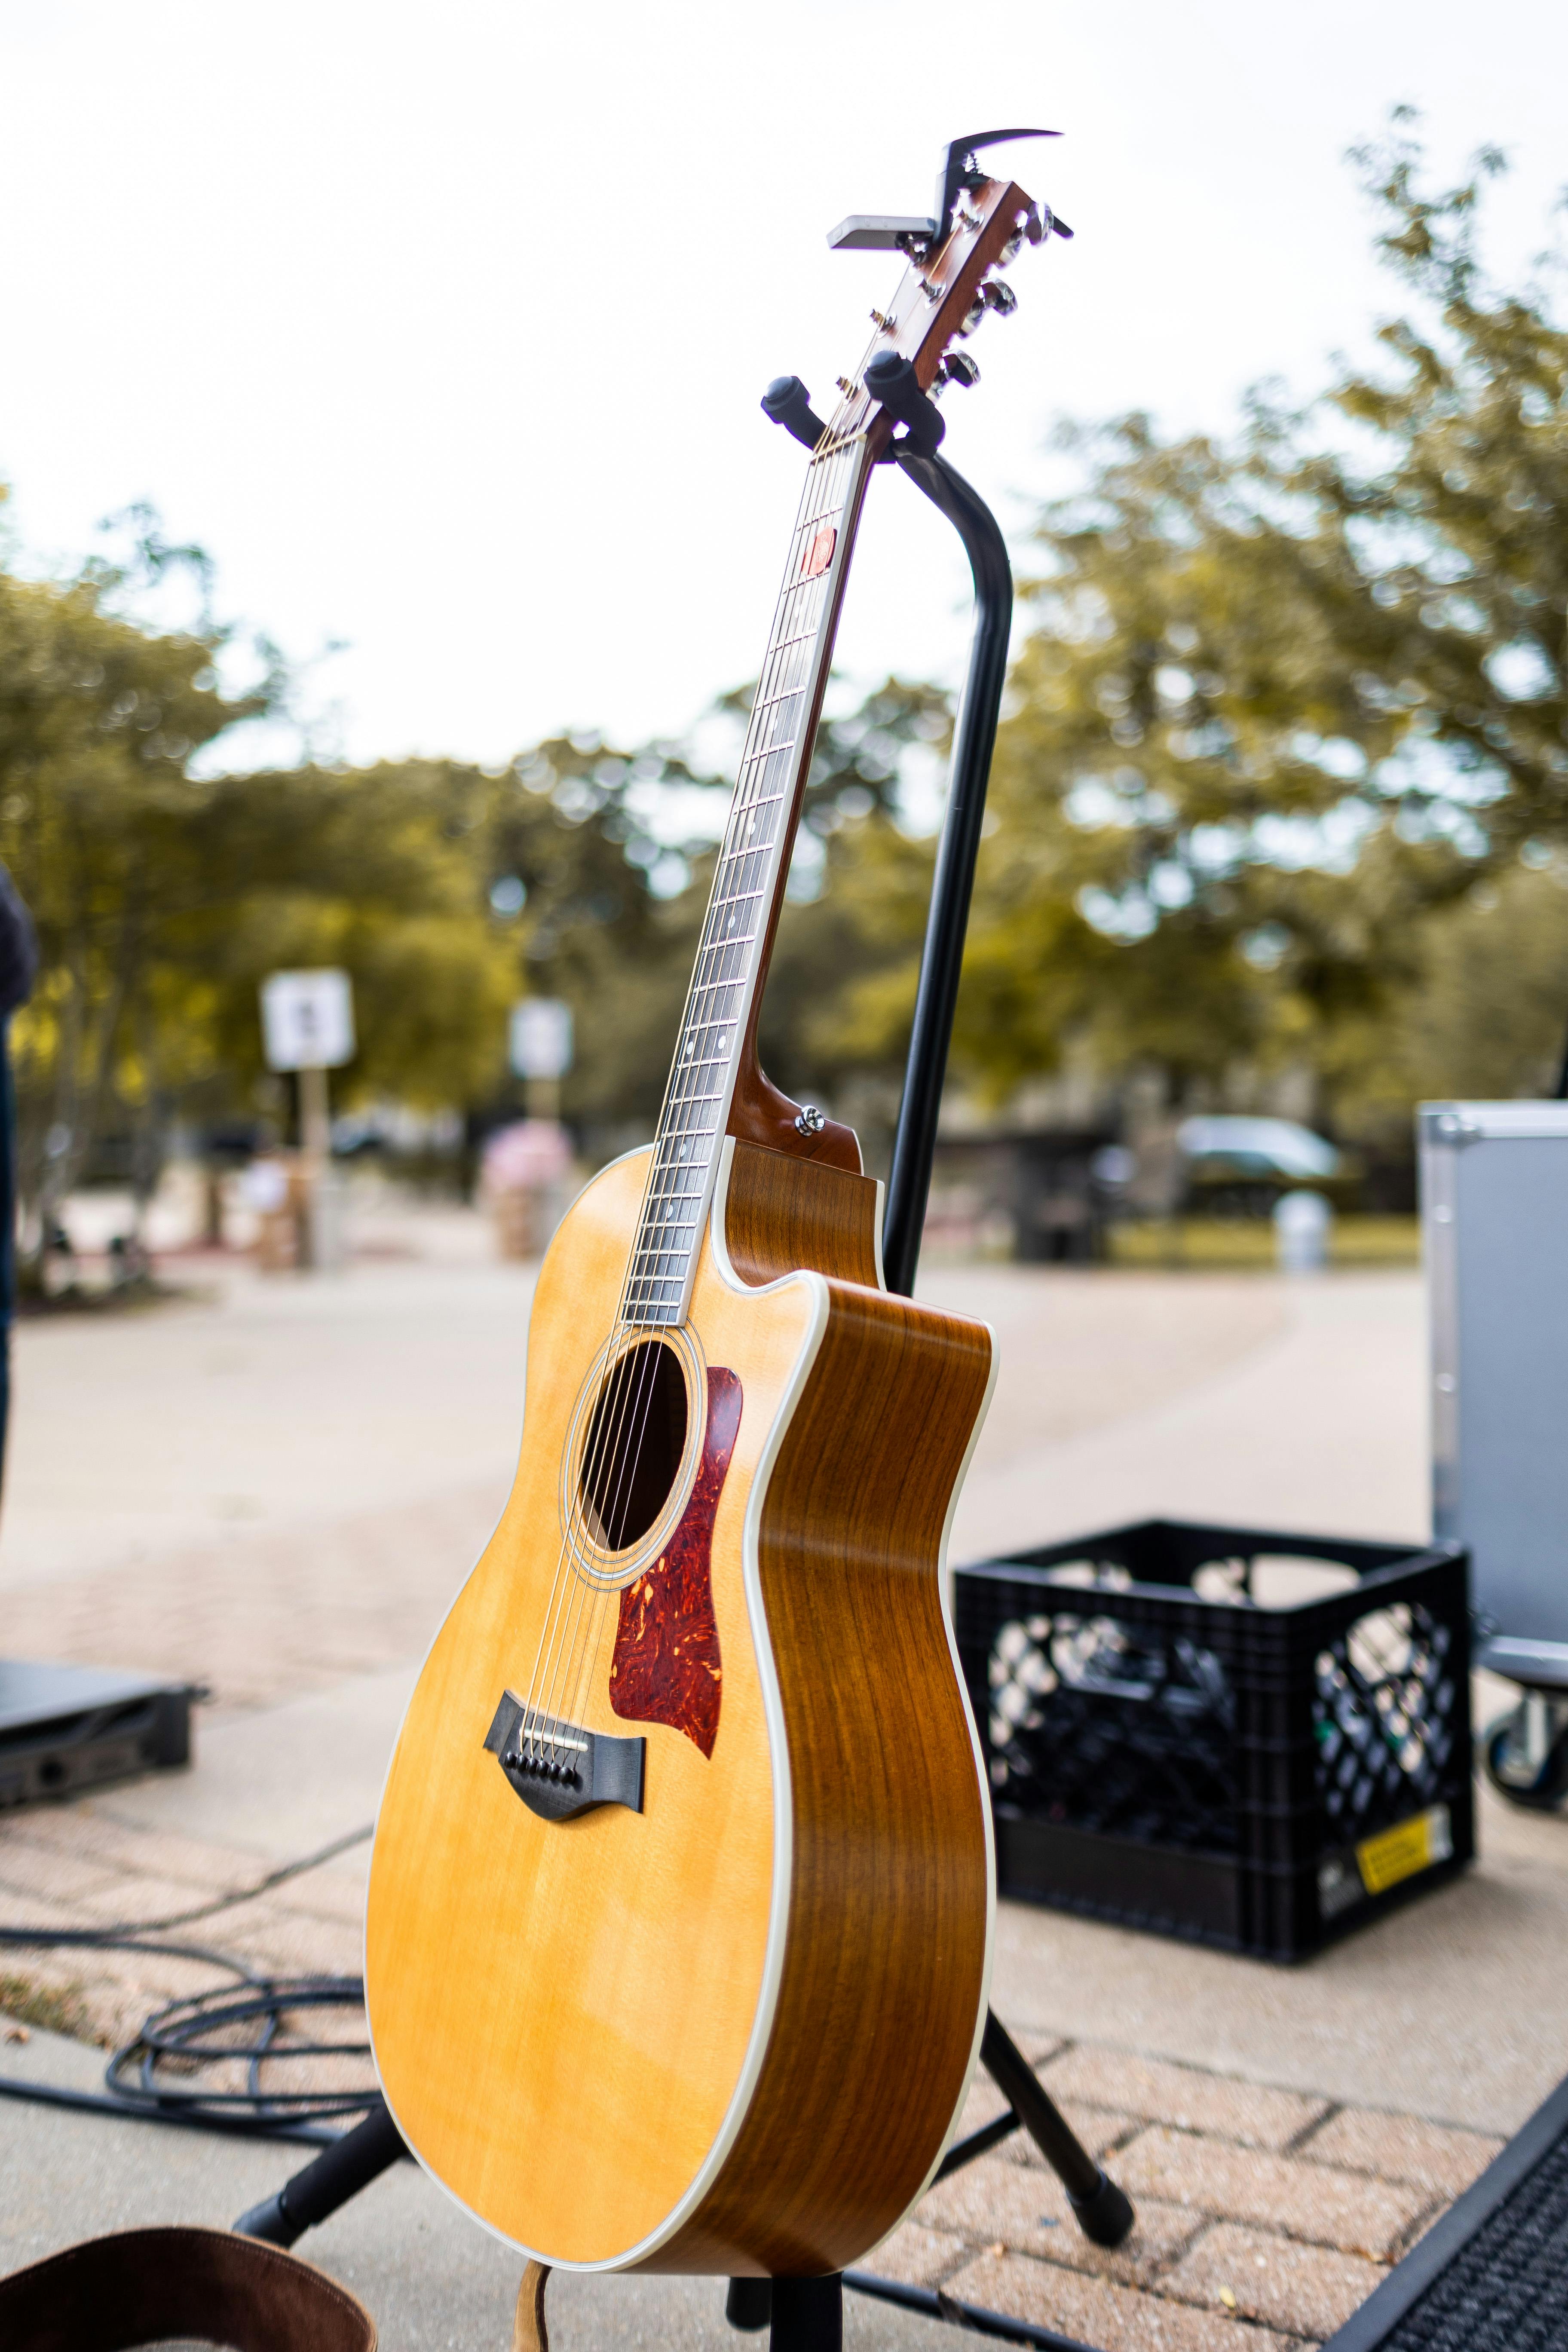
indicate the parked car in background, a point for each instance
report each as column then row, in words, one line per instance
column 1238, row 1167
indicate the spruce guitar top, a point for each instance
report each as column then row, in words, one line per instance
column 679, row 1934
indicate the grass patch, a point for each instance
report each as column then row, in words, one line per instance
column 53, row 2009
column 1246, row 1245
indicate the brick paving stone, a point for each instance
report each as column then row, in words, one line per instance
column 325, row 1894
column 266, row 1614
column 26, row 1868
column 1402, row 2148
column 138, row 1900
column 1093, row 2311
column 283, row 1943
column 1097, row 2127
column 86, row 1828
column 1039, row 2048
column 1097, row 2130
column 1306, row 2290
column 1316, row 2201
column 918, row 2256
column 993, row 2202
column 983, row 2105
column 1092, row 2075
column 312, row 1925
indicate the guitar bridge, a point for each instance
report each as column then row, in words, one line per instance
column 558, row 1769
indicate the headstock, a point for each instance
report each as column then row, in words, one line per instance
column 951, row 284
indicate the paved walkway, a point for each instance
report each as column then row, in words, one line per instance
column 274, row 1491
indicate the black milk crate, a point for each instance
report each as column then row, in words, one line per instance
column 1182, row 1735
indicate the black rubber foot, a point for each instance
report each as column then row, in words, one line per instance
column 268, row 2220
column 1106, row 2217
column 749, row 2304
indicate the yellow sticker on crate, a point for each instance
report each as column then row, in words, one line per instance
column 1400, row 1852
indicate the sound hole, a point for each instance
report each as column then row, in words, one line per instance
column 637, row 1436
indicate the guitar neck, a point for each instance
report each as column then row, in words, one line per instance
column 748, row 876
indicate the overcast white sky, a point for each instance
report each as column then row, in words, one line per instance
column 444, row 328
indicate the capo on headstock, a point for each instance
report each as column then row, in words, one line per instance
column 897, row 232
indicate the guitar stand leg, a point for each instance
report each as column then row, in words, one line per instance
column 1104, row 2212
column 339, row 2173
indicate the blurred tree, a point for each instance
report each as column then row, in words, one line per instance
column 599, row 845
column 840, row 992
column 1285, row 697
column 615, row 851
column 1484, row 1017
column 99, row 719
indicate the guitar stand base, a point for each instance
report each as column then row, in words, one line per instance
column 801, row 2315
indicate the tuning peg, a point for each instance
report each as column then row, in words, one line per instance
column 958, row 368
column 1030, row 227
column 973, row 316
column 999, row 298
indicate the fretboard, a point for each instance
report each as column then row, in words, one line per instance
column 758, row 838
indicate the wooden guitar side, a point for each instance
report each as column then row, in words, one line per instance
column 728, row 2033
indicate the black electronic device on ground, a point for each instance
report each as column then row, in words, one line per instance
column 66, row 1729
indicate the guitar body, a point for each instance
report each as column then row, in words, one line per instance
column 729, row 2031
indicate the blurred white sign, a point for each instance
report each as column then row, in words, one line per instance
column 542, row 1037
column 307, row 1020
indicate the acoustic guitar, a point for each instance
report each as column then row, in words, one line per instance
column 680, row 1905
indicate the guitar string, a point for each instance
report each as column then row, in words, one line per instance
column 583, row 1627
column 628, row 1408
column 668, row 1181
column 671, row 1182
column 633, row 1400
column 831, row 498
column 631, row 1408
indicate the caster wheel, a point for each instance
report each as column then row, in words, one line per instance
column 1507, row 1765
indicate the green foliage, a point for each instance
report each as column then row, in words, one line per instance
column 1286, row 698
column 841, row 993
column 104, row 834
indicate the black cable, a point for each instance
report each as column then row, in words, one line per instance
column 239, row 2022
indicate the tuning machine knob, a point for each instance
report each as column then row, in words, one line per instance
column 1031, row 227
column 958, row 368
column 999, row 298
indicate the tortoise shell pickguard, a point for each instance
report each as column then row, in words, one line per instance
column 667, row 1667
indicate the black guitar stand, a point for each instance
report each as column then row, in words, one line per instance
column 806, row 2314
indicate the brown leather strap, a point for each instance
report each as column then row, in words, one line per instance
column 528, row 2331
column 144, row 2286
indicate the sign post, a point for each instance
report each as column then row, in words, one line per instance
column 308, row 1026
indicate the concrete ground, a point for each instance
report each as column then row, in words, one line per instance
column 274, row 1487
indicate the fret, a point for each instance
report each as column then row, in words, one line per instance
column 765, row 751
